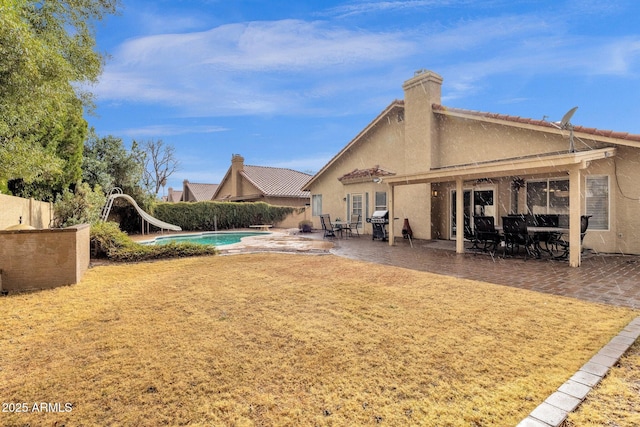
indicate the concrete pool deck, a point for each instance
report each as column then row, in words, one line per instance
column 279, row 240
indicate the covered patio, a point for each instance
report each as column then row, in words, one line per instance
column 571, row 165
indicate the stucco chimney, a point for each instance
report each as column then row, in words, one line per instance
column 237, row 165
column 185, row 191
column 420, row 92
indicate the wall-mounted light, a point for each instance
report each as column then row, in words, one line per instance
column 434, row 193
column 377, row 180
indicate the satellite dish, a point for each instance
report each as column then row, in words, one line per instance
column 565, row 123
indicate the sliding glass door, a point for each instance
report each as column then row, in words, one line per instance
column 477, row 202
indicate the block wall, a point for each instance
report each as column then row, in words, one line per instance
column 34, row 213
column 41, row 259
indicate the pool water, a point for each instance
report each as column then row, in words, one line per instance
column 221, row 238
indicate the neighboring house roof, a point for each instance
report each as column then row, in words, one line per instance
column 174, row 195
column 200, row 192
column 277, row 182
column 357, row 175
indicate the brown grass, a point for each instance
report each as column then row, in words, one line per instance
column 274, row 339
column 616, row 400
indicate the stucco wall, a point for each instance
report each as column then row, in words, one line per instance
column 625, row 201
column 414, row 203
column 461, row 141
column 292, row 220
column 383, row 146
column 41, row 259
column 34, row 213
column 286, row 201
column 245, row 188
column 427, row 141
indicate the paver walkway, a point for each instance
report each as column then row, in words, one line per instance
column 609, row 279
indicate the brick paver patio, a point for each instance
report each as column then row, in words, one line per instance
column 603, row 278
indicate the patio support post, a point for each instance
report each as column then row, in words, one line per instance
column 575, row 208
column 392, row 237
column 459, row 216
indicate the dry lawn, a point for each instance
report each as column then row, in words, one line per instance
column 275, row 339
column 615, row 401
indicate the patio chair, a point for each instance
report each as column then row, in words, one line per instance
column 563, row 245
column 516, row 234
column 327, row 227
column 486, row 237
column 545, row 237
column 353, row 226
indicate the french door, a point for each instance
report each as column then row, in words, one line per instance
column 357, row 208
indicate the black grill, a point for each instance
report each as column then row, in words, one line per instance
column 379, row 221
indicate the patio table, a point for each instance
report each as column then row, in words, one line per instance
column 339, row 226
column 536, row 232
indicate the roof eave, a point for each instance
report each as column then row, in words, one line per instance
column 494, row 169
column 395, row 104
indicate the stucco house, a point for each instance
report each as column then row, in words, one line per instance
column 174, row 195
column 197, row 192
column 275, row 186
column 438, row 166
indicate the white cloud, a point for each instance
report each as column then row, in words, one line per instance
column 158, row 131
column 389, row 6
column 242, row 68
column 617, row 57
column 300, row 67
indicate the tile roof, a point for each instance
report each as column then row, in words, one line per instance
column 277, row 182
column 358, row 174
column 174, row 195
column 201, row 192
column 517, row 119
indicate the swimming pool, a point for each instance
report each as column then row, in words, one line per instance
column 214, row 238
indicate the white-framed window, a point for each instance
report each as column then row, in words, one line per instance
column 316, row 204
column 380, row 201
column 597, row 202
column 548, row 196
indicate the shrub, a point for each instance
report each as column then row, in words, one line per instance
column 107, row 241
column 84, row 205
column 203, row 216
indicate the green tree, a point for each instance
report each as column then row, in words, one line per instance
column 108, row 163
column 66, row 142
column 47, row 53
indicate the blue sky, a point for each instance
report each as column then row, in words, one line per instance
column 289, row 83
